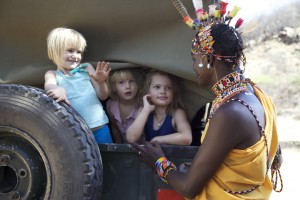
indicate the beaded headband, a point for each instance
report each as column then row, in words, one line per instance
column 203, row 41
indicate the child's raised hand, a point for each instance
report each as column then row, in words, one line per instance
column 59, row 94
column 101, row 73
column 147, row 103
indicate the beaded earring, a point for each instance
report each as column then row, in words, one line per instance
column 200, row 65
column 208, row 60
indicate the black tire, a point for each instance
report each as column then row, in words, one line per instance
column 46, row 149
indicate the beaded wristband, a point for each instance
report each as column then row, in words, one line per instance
column 163, row 167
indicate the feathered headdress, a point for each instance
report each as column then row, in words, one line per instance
column 215, row 14
column 203, row 42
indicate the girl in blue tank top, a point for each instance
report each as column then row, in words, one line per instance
column 162, row 117
column 79, row 85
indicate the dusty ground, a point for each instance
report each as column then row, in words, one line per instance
column 275, row 67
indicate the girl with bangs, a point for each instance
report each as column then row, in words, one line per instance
column 122, row 106
column 162, row 117
column 75, row 83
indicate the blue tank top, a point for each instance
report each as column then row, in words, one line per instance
column 165, row 129
column 83, row 97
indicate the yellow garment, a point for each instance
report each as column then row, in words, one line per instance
column 244, row 169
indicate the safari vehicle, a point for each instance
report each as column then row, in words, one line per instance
column 46, row 149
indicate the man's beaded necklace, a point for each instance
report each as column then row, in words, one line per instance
column 225, row 88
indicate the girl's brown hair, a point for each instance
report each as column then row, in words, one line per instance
column 177, row 99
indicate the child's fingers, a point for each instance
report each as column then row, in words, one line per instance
column 100, row 65
column 146, row 97
column 59, row 99
column 103, row 66
column 92, row 76
column 108, row 70
column 106, row 67
column 50, row 94
column 106, row 64
column 67, row 102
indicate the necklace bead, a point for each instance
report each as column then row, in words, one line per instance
column 225, row 88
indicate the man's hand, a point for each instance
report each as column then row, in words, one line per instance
column 148, row 153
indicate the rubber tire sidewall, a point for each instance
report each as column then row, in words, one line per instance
column 68, row 148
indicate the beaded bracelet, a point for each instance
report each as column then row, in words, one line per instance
column 163, row 167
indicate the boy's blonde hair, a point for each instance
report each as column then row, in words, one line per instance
column 60, row 39
column 116, row 76
column 177, row 99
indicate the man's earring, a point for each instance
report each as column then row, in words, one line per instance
column 200, row 65
column 209, row 61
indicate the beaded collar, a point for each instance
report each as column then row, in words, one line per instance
column 225, row 88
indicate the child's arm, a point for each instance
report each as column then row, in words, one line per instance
column 135, row 130
column 98, row 78
column 114, row 129
column 184, row 132
column 53, row 90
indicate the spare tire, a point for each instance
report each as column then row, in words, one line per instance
column 46, row 149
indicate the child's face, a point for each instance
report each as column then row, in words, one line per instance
column 126, row 89
column 161, row 90
column 70, row 58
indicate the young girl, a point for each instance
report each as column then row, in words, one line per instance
column 122, row 106
column 79, row 85
column 162, row 117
